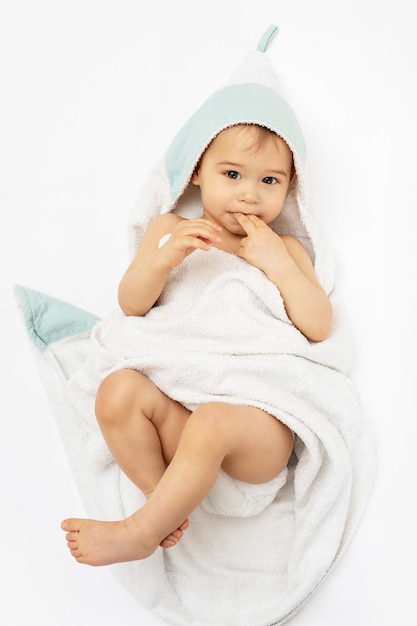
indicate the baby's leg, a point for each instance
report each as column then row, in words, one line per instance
column 248, row 443
column 141, row 427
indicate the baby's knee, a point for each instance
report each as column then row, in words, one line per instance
column 115, row 393
column 211, row 412
column 211, row 422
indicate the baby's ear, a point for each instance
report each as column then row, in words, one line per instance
column 195, row 178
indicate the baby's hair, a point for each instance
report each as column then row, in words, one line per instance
column 262, row 135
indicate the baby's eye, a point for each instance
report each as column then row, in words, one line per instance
column 233, row 174
column 270, row 180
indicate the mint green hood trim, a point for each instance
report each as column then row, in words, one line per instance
column 245, row 103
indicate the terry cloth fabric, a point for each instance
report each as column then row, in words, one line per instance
column 225, row 337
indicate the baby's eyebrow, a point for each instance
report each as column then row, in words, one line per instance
column 279, row 172
column 230, row 164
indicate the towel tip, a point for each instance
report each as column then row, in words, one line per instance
column 267, row 38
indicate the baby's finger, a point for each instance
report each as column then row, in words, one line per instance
column 247, row 222
column 202, row 223
column 202, row 229
column 192, row 242
column 206, row 234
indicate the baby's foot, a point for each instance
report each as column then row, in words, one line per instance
column 103, row 543
column 173, row 538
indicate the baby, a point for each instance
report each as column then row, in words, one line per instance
column 174, row 455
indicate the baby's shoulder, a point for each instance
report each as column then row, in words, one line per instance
column 157, row 229
column 166, row 222
column 300, row 255
column 162, row 225
column 294, row 247
column 292, row 242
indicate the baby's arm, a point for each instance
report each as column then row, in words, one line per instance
column 146, row 276
column 287, row 264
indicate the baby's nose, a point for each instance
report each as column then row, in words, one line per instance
column 249, row 193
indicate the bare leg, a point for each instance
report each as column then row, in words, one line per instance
column 141, row 427
column 248, row 443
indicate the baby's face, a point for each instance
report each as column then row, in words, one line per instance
column 240, row 174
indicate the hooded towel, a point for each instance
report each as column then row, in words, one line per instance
column 226, row 338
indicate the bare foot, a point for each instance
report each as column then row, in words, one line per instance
column 103, row 543
column 173, row 538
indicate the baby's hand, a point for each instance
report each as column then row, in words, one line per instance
column 262, row 246
column 188, row 236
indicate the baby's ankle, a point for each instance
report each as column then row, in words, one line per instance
column 142, row 531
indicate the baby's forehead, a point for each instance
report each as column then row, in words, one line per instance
column 249, row 137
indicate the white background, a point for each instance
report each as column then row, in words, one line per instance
column 92, row 91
